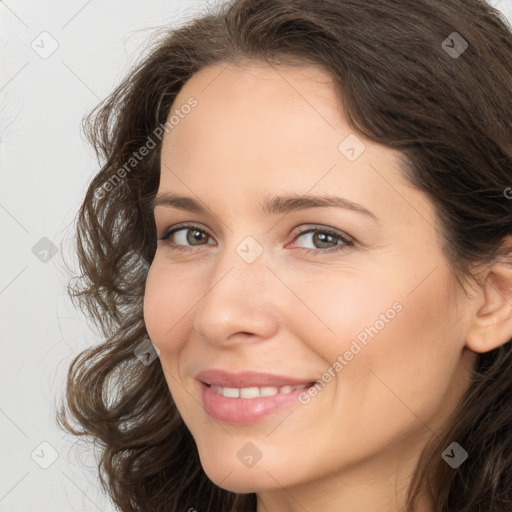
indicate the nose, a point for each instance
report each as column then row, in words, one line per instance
column 241, row 302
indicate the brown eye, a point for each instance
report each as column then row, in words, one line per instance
column 185, row 237
column 323, row 240
column 193, row 236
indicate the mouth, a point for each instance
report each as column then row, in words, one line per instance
column 249, row 397
column 257, row 392
column 249, row 379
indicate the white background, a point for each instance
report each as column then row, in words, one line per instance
column 44, row 169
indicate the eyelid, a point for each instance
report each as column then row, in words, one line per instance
column 304, row 229
column 347, row 240
column 178, row 227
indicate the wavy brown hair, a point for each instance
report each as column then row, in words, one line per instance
column 451, row 118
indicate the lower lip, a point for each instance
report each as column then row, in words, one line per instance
column 245, row 411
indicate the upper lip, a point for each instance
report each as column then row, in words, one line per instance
column 248, row 379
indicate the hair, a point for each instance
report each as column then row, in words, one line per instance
column 451, row 120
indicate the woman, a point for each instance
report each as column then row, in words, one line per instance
column 302, row 211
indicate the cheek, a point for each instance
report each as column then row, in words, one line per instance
column 168, row 312
column 405, row 373
column 342, row 309
column 372, row 329
column 400, row 354
column 167, row 300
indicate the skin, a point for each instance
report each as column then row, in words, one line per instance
column 258, row 131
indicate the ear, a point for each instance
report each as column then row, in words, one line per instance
column 491, row 325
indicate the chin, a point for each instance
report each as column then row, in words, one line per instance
column 239, row 479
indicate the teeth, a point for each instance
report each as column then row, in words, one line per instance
column 249, row 392
column 255, row 392
column 269, row 391
column 231, row 392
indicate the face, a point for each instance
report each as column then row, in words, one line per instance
column 256, row 292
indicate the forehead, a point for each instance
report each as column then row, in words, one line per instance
column 257, row 128
column 245, row 76
column 254, row 110
column 256, row 95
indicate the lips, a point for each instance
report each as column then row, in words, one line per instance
column 247, row 379
column 248, row 397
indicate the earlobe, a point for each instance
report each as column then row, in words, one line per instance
column 491, row 326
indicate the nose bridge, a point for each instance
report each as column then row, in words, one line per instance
column 239, row 297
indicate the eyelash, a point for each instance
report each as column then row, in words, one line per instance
column 346, row 241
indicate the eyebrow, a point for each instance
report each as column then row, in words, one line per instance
column 273, row 205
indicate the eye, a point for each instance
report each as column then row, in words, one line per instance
column 185, row 237
column 190, row 237
column 325, row 240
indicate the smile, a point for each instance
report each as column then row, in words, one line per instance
column 247, row 397
column 256, row 392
